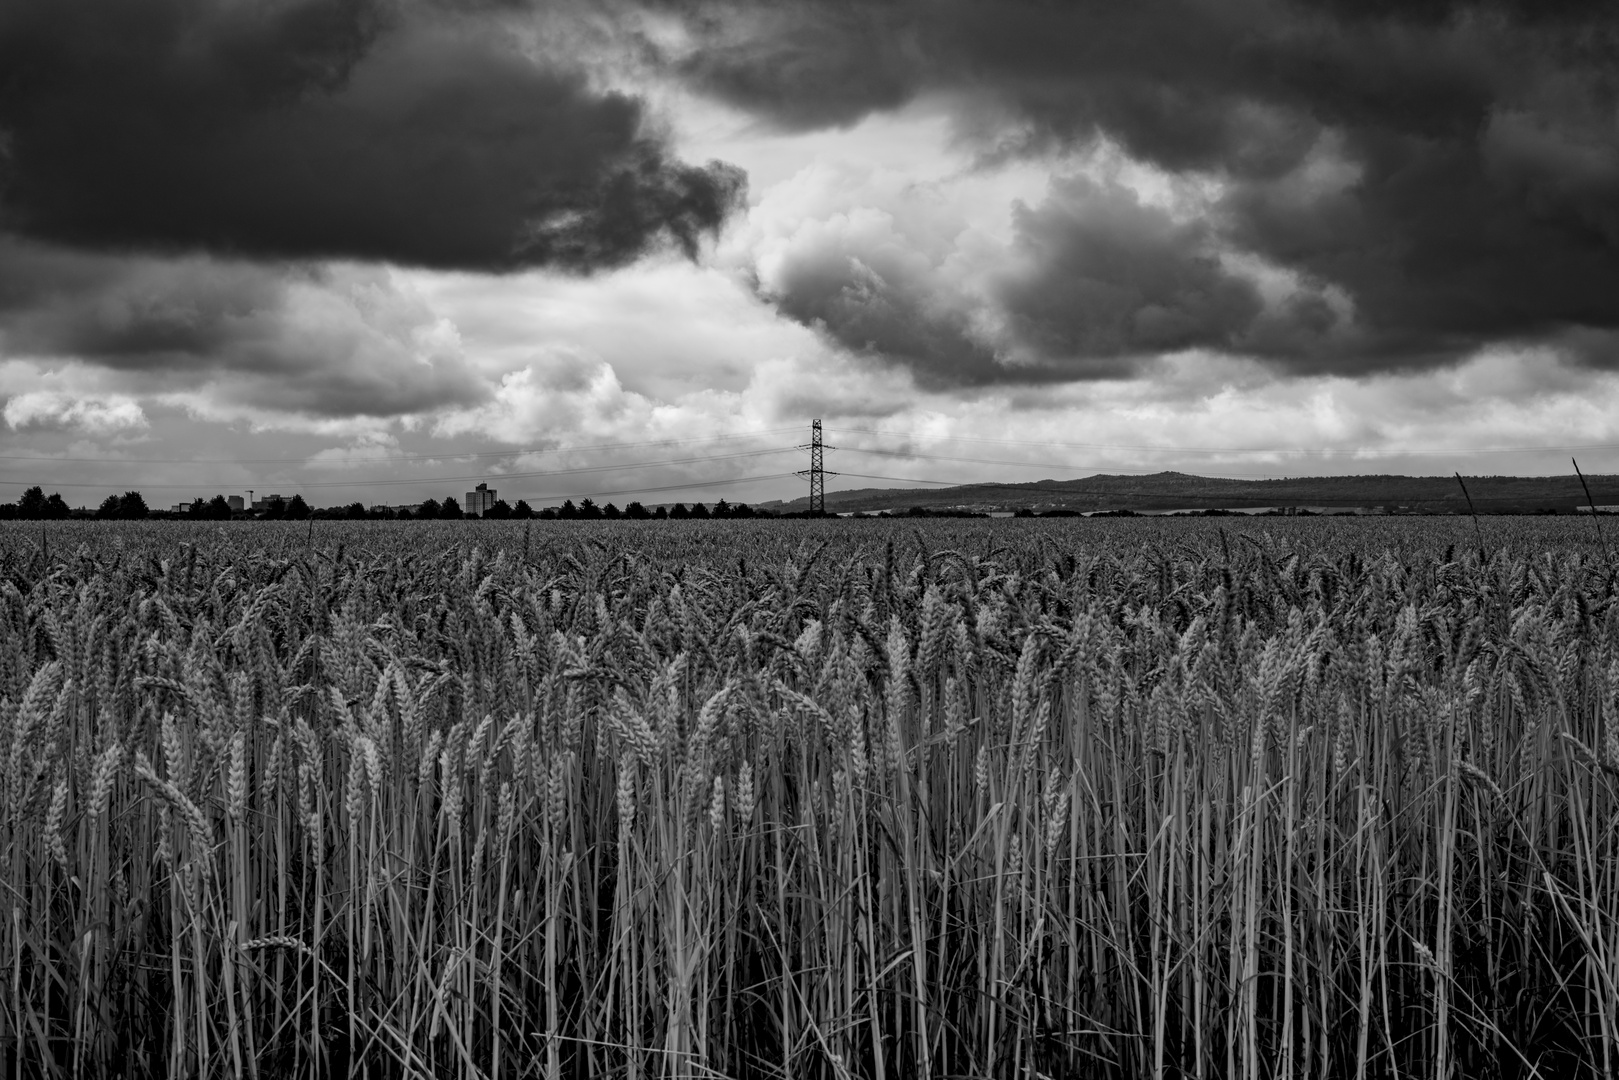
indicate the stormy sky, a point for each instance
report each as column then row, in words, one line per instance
column 378, row 249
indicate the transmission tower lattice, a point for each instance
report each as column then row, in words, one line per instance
column 817, row 475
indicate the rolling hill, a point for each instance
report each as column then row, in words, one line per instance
column 1166, row 491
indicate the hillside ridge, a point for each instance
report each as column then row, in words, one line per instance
column 1170, row 491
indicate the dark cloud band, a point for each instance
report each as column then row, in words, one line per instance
column 328, row 128
column 1434, row 177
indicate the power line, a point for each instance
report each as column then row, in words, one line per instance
column 1057, row 466
column 695, row 485
column 1218, row 450
column 961, row 460
column 1099, row 492
column 905, row 479
column 583, row 469
column 453, row 455
column 1065, row 490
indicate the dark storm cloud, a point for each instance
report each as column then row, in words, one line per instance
column 318, row 341
column 806, row 66
column 1101, row 277
column 1095, row 279
column 1451, row 169
column 414, row 133
column 882, row 300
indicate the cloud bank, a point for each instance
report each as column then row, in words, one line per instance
column 354, row 129
column 1383, row 186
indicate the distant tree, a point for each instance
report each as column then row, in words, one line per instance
column 611, row 512
column 548, row 513
column 219, row 508
column 588, row 510
column 1024, row 511
column 275, row 509
column 636, row 511
column 522, row 510
column 661, row 513
column 57, row 509
column 450, row 509
column 355, row 511
column 108, row 509
column 196, row 508
column 32, row 503
column 8, row 511
column 381, row 513
column 722, row 509
column 429, row 510
column 131, row 506
column 296, row 509
column 678, row 512
column 403, row 514
column 698, row 510
column 567, row 511
column 500, row 511
column 742, row 510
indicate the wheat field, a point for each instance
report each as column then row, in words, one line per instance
column 810, row 799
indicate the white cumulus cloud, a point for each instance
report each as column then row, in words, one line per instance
column 100, row 416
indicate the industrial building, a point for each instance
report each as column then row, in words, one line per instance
column 479, row 499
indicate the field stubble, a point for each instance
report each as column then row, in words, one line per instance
column 809, row 799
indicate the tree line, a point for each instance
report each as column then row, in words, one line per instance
column 131, row 506
column 587, row 510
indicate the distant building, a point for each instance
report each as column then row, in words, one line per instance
column 179, row 508
column 264, row 503
column 235, row 503
column 479, row 499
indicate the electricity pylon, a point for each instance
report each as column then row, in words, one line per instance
column 817, row 475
